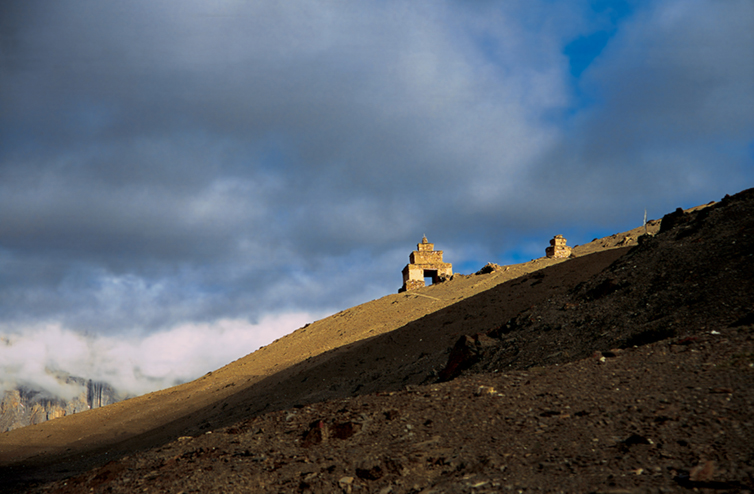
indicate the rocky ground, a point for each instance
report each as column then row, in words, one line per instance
column 667, row 417
column 628, row 370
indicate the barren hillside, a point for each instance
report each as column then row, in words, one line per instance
column 627, row 367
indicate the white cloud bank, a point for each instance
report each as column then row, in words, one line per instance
column 133, row 365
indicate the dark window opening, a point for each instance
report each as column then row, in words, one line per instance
column 430, row 276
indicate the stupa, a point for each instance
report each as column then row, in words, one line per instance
column 425, row 262
column 558, row 247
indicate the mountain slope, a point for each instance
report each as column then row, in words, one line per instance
column 501, row 321
column 269, row 378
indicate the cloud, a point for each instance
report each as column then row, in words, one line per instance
column 175, row 147
column 166, row 163
column 668, row 98
column 133, row 365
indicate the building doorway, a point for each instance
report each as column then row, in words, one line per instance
column 430, row 277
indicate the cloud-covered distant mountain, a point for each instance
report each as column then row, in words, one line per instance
column 24, row 406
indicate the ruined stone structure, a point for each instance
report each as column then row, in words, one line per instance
column 423, row 263
column 558, row 247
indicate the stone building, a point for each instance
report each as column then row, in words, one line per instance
column 558, row 247
column 425, row 262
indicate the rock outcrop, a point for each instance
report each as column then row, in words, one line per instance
column 24, row 406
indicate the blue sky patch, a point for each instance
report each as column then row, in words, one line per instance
column 582, row 51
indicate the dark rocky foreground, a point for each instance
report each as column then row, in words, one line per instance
column 672, row 416
column 637, row 379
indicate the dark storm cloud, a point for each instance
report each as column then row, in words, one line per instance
column 668, row 117
column 170, row 163
column 310, row 115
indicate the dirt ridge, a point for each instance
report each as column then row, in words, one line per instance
column 550, row 325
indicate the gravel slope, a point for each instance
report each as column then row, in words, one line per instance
column 626, row 369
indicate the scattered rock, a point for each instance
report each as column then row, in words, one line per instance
column 465, row 353
column 488, row 268
column 345, row 430
column 484, row 391
column 369, row 471
column 672, row 220
column 317, row 434
column 636, row 439
column 703, row 472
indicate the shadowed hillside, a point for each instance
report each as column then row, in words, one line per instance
column 507, row 379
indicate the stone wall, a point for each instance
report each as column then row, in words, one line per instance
column 431, row 257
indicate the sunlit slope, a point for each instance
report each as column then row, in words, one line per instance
column 230, row 392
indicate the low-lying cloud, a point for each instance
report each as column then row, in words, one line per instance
column 134, row 365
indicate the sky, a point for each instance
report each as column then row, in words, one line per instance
column 183, row 181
